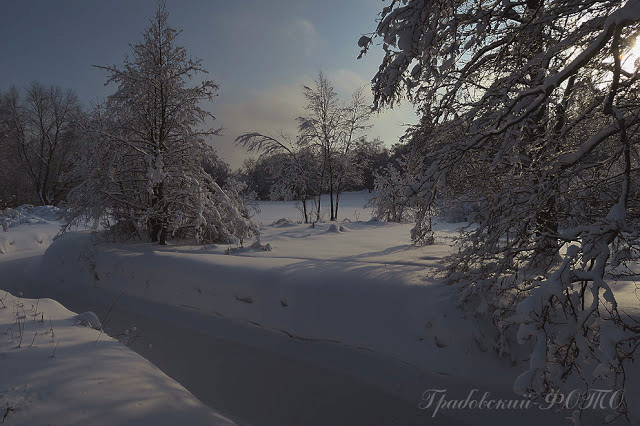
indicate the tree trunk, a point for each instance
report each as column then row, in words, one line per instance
column 546, row 222
column 318, row 209
column 163, row 215
column 333, row 215
column 304, row 209
column 163, row 234
column 321, row 183
column 154, row 229
column 158, row 221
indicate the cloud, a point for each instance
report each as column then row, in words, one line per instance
column 387, row 124
column 273, row 111
column 302, row 33
column 347, row 81
column 269, row 111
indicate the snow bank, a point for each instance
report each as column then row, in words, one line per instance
column 28, row 213
column 364, row 288
column 52, row 370
column 28, row 227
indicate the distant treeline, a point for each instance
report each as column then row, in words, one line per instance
column 42, row 139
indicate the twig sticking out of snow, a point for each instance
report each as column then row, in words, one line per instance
column 35, row 311
column 106, row 317
column 244, row 298
column 21, row 329
column 53, row 334
column 53, row 354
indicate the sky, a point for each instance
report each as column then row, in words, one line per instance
column 260, row 52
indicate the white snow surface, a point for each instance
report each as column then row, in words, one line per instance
column 28, row 227
column 364, row 286
column 65, row 374
column 357, row 284
column 351, row 207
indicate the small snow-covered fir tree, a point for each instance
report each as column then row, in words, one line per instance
column 146, row 167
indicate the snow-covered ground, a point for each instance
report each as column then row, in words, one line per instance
column 28, row 227
column 344, row 315
column 360, row 284
column 351, row 206
column 56, row 369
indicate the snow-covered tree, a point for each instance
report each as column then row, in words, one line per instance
column 373, row 156
column 147, row 169
column 323, row 158
column 291, row 167
column 389, row 204
column 332, row 128
column 536, row 101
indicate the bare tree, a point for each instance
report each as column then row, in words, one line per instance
column 291, row 167
column 331, row 128
column 348, row 171
column 324, row 155
column 41, row 128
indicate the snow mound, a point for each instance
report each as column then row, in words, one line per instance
column 256, row 246
column 333, row 229
column 282, row 222
column 88, row 319
column 38, row 236
column 337, row 229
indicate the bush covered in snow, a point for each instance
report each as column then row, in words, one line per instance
column 28, row 213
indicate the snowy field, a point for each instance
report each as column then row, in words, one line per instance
column 341, row 323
